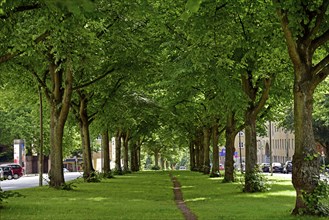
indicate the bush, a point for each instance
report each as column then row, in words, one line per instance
column 256, row 180
column 314, row 201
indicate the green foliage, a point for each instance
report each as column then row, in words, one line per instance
column 311, row 156
column 258, row 182
column 94, row 177
column 68, row 186
column 315, row 200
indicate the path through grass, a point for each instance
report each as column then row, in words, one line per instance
column 149, row 195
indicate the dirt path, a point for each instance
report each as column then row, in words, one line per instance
column 188, row 215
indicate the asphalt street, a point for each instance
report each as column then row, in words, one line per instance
column 29, row 181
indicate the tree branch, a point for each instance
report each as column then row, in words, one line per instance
column 292, row 47
column 94, row 80
column 319, row 18
column 319, row 41
column 21, row 8
column 9, row 56
column 322, row 64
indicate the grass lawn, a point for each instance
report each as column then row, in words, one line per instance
column 149, row 195
column 208, row 198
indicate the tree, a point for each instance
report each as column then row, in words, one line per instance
column 306, row 33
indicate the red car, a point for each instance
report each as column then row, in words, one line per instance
column 17, row 170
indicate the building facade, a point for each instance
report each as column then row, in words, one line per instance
column 278, row 141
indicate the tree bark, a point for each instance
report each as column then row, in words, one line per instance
column 60, row 100
column 308, row 74
column 192, row 155
column 85, row 138
column 106, row 151
column 125, row 136
column 251, row 151
column 230, row 133
column 134, row 157
column 41, row 156
column 118, row 152
column 206, row 148
column 305, row 174
column 215, row 154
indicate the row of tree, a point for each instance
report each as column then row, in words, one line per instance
column 172, row 74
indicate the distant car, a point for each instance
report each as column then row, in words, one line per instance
column 277, row 167
column 6, row 172
column 65, row 170
column 265, row 167
column 287, row 167
column 182, row 168
column 16, row 168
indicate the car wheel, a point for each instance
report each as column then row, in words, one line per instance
column 16, row 176
column 9, row 177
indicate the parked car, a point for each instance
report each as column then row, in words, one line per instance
column 287, row 167
column 265, row 167
column 277, row 167
column 6, row 172
column 16, row 169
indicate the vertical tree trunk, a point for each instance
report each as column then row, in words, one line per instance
column 125, row 137
column 156, row 158
column 40, row 158
column 201, row 151
column 106, row 151
column 85, row 138
column 118, row 153
column 56, row 154
column 133, row 157
column 308, row 72
column 60, row 100
column 192, row 155
column 251, row 152
column 230, row 133
column 305, row 174
column 206, row 148
column 215, row 154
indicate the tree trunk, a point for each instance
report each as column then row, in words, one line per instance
column 192, row 155
column 308, row 74
column 251, row 152
column 230, row 133
column 125, row 137
column 118, row 153
column 306, row 162
column 106, row 151
column 133, row 157
column 60, row 100
column 85, row 139
column 201, row 152
column 215, row 155
column 156, row 158
column 40, row 158
column 206, row 148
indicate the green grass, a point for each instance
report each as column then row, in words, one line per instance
column 211, row 199
column 149, row 195
column 145, row 195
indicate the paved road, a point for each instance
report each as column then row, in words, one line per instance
column 32, row 181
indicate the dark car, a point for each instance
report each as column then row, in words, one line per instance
column 277, row 167
column 287, row 167
column 265, row 167
column 17, row 170
column 6, row 172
